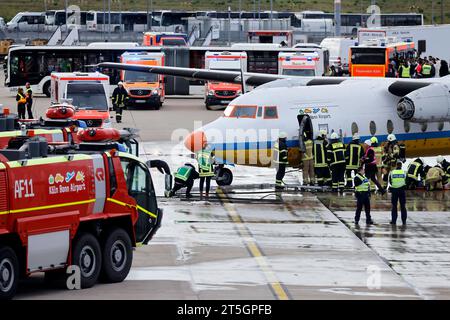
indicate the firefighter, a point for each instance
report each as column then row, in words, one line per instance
column 353, row 155
column 21, row 102
column 29, row 98
column 370, row 165
column 184, row 178
column 308, row 162
column 280, row 159
column 415, row 172
column 336, row 161
column 321, row 170
column 119, row 99
column 205, row 160
column 445, row 166
column 362, row 194
column 391, row 153
column 397, row 180
column 435, row 178
column 378, row 158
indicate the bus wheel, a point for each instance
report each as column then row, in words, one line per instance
column 46, row 90
column 117, row 256
column 87, row 256
column 225, row 177
column 9, row 273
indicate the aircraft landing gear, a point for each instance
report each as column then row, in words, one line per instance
column 224, row 176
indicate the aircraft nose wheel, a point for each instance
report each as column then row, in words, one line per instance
column 224, row 177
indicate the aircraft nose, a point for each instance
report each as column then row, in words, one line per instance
column 195, row 141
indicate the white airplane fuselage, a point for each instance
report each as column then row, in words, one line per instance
column 364, row 106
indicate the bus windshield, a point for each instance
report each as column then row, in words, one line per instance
column 136, row 76
column 87, row 96
column 369, row 56
column 174, row 42
column 299, row 72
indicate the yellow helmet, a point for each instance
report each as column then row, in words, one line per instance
column 374, row 140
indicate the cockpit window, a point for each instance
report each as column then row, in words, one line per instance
column 270, row 113
column 241, row 112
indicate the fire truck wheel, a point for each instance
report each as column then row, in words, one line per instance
column 87, row 256
column 9, row 273
column 117, row 256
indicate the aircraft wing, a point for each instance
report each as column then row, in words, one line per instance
column 252, row 79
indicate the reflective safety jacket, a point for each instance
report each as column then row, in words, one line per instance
column 280, row 153
column 183, row 173
column 426, row 69
column 435, row 174
column 205, row 159
column 308, row 155
column 397, row 178
column 336, row 153
column 20, row 99
column 446, row 167
column 320, row 160
column 362, row 184
column 119, row 96
column 406, row 72
column 391, row 154
column 378, row 155
column 415, row 170
column 353, row 154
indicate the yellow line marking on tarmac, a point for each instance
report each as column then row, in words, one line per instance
column 276, row 287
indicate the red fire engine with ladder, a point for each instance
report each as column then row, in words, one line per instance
column 85, row 205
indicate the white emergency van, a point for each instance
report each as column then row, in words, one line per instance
column 339, row 49
column 306, row 64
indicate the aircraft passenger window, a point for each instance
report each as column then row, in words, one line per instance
column 355, row 128
column 373, row 128
column 424, row 126
column 244, row 112
column 407, row 126
column 270, row 113
column 390, row 126
column 441, row 126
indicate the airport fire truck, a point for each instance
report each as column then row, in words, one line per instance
column 221, row 93
column 87, row 92
column 83, row 206
column 144, row 89
column 300, row 64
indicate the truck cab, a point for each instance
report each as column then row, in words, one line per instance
column 144, row 89
column 221, row 93
column 299, row 64
column 88, row 93
column 165, row 39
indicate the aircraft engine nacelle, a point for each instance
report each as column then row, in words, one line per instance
column 427, row 104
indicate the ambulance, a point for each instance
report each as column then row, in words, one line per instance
column 221, row 93
column 305, row 64
column 88, row 93
column 144, row 89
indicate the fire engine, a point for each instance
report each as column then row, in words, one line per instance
column 221, row 93
column 87, row 92
column 80, row 205
column 144, row 88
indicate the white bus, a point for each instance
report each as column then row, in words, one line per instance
column 57, row 18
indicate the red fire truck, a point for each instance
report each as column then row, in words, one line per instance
column 84, row 206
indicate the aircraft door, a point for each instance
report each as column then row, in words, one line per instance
column 304, row 129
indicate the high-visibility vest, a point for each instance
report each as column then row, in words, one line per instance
column 413, row 170
column 398, row 179
column 22, row 99
column 280, row 156
column 28, row 91
column 378, row 155
column 320, row 161
column 183, row 173
column 308, row 155
column 406, row 72
column 365, row 184
column 204, row 159
column 354, row 156
column 336, row 153
column 434, row 174
column 426, row 69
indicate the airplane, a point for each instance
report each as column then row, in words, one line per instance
column 417, row 111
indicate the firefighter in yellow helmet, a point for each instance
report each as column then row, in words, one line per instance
column 353, row 155
column 391, row 154
column 280, row 159
column 336, row 161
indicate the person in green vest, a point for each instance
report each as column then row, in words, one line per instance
column 184, row 178
column 427, row 70
column 405, row 70
column 397, row 180
column 362, row 194
column 205, row 160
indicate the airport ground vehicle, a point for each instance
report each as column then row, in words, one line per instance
column 85, row 207
column 160, row 39
column 221, row 93
column 428, row 38
column 372, row 58
column 27, row 21
column 339, row 49
column 271, row 36
column 87, row 92
column 144, row 89
column 300, row 64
